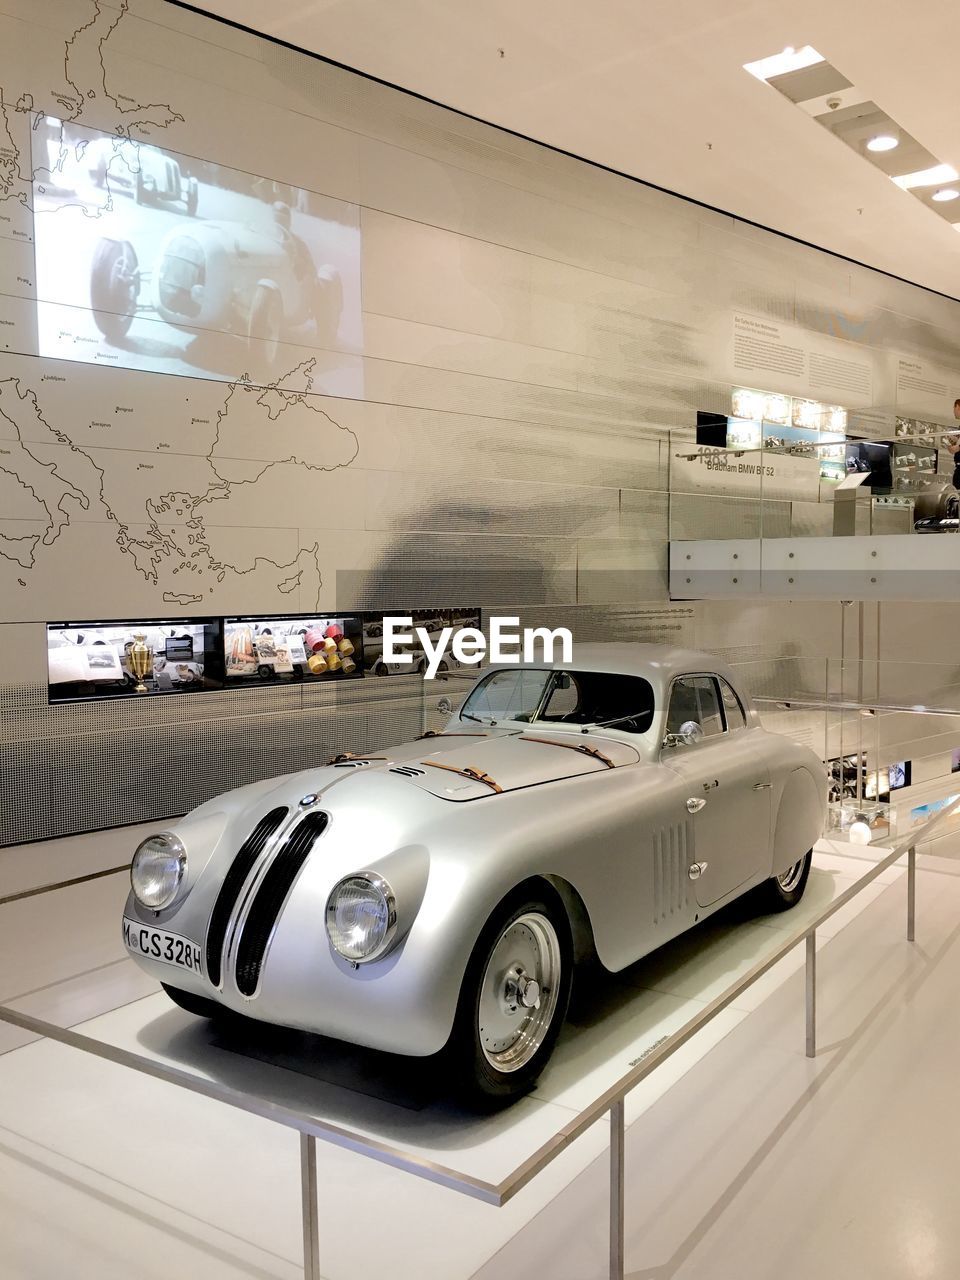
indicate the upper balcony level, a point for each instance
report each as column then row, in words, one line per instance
column 764, row 509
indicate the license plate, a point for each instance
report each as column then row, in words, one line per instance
column 157, row 944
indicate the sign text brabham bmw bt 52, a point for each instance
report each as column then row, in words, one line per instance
column 507, row 643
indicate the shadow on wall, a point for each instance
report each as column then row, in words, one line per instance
column 473, row 563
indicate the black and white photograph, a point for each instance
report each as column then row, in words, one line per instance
column 152, row 260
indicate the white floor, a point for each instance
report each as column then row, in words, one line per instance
column 745, row 1159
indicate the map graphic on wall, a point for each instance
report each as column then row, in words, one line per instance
column 121, row 246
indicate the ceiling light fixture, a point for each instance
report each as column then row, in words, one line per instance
column 883, row 142
column 779, row 64
column 945, row 193
column 927, row 177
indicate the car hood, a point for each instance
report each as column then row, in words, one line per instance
column 464, row 767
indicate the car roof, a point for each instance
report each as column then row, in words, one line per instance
column 653, row 661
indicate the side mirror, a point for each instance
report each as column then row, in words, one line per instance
column 690, row 734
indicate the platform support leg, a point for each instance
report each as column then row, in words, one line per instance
column 616, row 1190
column 911, row 893
column 311, row 1221
column 812, row 994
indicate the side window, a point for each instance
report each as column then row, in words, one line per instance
column 695, row 698
column 732, row 710
column 711, row 720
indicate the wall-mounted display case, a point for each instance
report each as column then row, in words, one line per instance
column 136, row 658
column 293, row 647
column 130, row 659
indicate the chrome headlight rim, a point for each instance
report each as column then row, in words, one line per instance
column 175, row 849
column 381, row 886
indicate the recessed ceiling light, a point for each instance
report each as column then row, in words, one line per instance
column 883, row 142
column 780, row 63
column 927, row 177
column 947, row 193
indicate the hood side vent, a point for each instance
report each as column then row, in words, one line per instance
column 351, row 764
column 233, row 883
column 409, row 771
column 270, row 898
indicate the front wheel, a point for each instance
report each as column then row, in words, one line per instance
column 513, row 1000
column 114, row 287
column 784, row 891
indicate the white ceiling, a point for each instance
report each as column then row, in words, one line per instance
column 645, row 85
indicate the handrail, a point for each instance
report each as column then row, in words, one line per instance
column 611, row 1100
column 840, row 704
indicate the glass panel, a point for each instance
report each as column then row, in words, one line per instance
column 506, row 695
column 710, row 719
column 594, row 697
column 684, row 704
column 731, row 707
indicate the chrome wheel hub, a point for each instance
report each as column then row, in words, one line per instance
column 519, row 992
column 791, row 877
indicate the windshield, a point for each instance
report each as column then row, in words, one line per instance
column 567, row 697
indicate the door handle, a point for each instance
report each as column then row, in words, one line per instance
column 762, row 786
column 695, row 804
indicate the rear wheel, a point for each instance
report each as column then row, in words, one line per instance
column 114, row 287
column 784, row 891
column 513, row 1000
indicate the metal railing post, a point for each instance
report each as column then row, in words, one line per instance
column 311, row 1221
column 812, row 994
column 616, row 1190
column 911, row 892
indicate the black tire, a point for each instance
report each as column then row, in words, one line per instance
column 475, row 1077
column 327, row 305
column 264, row 328
column 381, row 670
column 198, row 1005
column 935, row 503
column 782, row 892
column 193, row 197
column 114, row 287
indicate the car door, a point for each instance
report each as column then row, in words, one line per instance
column 727, row 787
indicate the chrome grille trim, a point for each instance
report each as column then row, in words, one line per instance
column 232, row 886
column 266, row 907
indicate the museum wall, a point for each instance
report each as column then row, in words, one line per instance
column 504, row 348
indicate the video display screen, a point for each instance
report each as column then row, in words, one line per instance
column 149, row 259
column 121, row 659
column 315, row 647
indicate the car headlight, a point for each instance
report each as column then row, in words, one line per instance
column 361, row 917
column 157, row 871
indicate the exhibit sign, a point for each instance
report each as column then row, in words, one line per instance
column 755, row 473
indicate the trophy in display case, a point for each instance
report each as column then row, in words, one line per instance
column 140, row 658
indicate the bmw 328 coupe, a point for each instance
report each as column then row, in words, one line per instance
column 437, row 896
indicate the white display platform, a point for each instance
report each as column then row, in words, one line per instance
column 152, row 1180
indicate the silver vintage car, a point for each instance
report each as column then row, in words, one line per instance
column 436, row 896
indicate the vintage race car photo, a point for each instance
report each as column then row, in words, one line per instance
column 259, row 282
column 437, row 896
